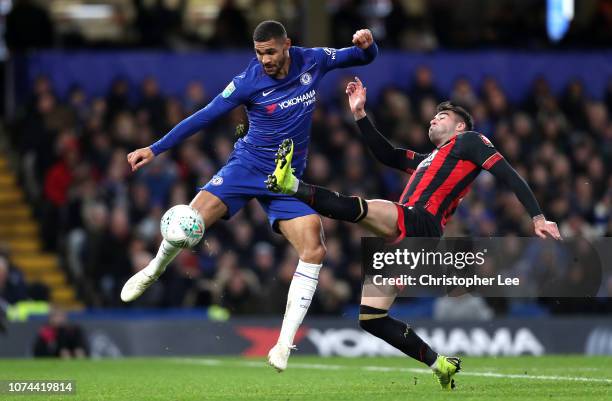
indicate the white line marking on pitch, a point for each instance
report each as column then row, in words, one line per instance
column 317, row 366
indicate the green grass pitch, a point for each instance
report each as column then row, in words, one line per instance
column 312, row 378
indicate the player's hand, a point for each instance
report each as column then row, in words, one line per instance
column 140, row 157
column 363, row 38
column 544, row 228
column 357, row 97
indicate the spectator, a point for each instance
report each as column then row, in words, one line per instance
column 12, row 284
column 422, row 87
column 59, row 338
column 152, row 102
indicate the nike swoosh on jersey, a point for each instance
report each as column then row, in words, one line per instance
column 268, row 92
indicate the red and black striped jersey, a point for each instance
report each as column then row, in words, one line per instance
column 443, row 177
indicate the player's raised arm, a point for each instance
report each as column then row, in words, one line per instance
column 383, row 150
column 363, row 52
column 542, row 227
column 478, row 149
column 221, row 104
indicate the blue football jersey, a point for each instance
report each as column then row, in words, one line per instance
column 276, row 108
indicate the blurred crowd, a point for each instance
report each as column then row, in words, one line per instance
column 104, row 220
column 403, row 24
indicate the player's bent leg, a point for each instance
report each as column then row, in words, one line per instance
column 381, row 219
column 306, row 235
column 332, row 204
column 211, row 208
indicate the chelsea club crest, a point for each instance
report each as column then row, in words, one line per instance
column 216, row 180
column 306, row 78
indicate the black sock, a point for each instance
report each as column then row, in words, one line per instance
column 332, row 204
column 398, row 334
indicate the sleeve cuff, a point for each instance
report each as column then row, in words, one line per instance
column 154, row 149
column 372, row 51
column 364, row 122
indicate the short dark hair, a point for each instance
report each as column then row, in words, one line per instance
column 268, row 30
column 458, row 110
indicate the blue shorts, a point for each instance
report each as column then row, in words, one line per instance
column 239, row 181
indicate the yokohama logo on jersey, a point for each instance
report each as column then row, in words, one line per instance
column 307, row 98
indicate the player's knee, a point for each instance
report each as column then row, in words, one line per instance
column 313, row 254
column 390, row 232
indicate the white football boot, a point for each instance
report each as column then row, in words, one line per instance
column 278, row 356
column 136, row 285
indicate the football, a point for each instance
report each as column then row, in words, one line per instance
column 182, row 226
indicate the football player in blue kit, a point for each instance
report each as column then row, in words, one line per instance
column 278, row 89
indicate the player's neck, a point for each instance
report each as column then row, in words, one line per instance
column 446, row 139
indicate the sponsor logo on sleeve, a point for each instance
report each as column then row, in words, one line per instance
column 229, row 89
column 486, row 140
column 330, row 52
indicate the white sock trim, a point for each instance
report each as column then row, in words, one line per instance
column 308, row 270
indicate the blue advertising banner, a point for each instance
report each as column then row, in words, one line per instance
column 515, row 70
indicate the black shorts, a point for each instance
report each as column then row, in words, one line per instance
column 413, row 221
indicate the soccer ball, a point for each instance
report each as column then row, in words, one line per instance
column 182, row 226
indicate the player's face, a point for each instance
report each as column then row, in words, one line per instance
column 442, row 127
column 273, row 55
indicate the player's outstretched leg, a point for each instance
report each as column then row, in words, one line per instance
column 327, row 203
column 374, row 318
column 143, row 279
column 377, row 322
column 211, row 208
